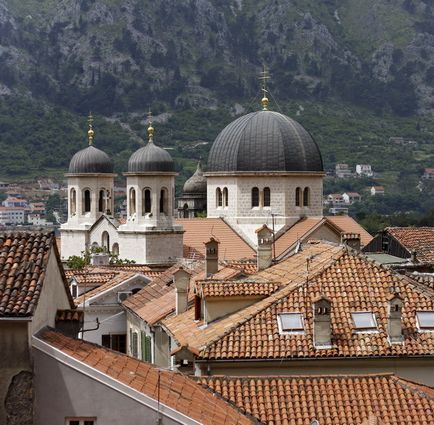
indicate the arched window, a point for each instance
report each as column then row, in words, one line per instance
column 101, row 201
column 132, row 201
column 298, row 197
column 267, row 197
column 115, row 249
column 105, row 241
column 147, row 204
column 185, row 211
column 219, row 197
column 255, row 197
column 86, row 201
column 73, row 201
column 306, row 196
column 164, row 208
column 225, row 197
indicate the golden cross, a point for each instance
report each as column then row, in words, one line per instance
column 90, row 132
column 264, row 77
column 149, row 116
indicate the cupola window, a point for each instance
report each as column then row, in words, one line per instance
column 298, row 197
column 147, row 205
column 225, row 197
column 132, row 201
column 164, row 201
column 306, row 196
column 101, row 201
column 255, row 197
column 267, row 197
column 86, row 201
column 219, row 197
column 73, row 201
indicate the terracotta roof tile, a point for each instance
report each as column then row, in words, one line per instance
column 221, row 288
column 348, row 225
column 175, row 389
column 352, row 284
column 23, row 262
column 349, row 400
column 419, row 239
column 198, row 231
column 69, row 315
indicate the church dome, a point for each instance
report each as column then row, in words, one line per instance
column 150, row 158
column 90, row 160
column 196, row 184
column 264, row 141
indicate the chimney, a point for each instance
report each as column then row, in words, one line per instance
column 181, row 279
column 211, row 257
column 352, row 240
column 413, row 257
column 100, row 259
column 264, row 257
column 395, row 315
column 322, row 331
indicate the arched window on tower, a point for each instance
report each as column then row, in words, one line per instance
column 105, row 241
column 164, row 199
column 306, row 197
column 267, row 197
column 255, row 197
column 147, row 204
column 86, row 201
column 73, row 202
column 219, row 197
column 225, row 197
column 298, row 197
column 185, row 211
column 132, row 201
column 101, row 201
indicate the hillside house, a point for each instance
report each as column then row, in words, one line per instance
column 428, row 174
column 377, row 190
column 351, row 197
column 343, row 171
column 364, row 170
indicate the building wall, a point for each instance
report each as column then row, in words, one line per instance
column 59, row 391
column 325, row 233
column 73, row 242
column 15, row 372
column 219, row 307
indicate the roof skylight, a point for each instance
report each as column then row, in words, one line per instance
column 364, row 321
column 425, row 320
column 290, row 323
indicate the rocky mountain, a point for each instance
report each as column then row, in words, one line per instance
column 124, row 55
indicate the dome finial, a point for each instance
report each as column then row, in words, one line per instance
column 151, row 130
column 264, row 77
column 90, row 132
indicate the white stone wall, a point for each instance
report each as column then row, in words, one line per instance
column 73, row 242
column 222, row 182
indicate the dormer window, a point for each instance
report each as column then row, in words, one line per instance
column 364, row 321
column 425, row 320
column 290, row 323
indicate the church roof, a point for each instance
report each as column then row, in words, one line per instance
column 90, row 160
column 150, row 158
column 264, row 141
column 196, row 183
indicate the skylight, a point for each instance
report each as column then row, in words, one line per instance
column 291, row 323
column 425, row 320
column 364, row 321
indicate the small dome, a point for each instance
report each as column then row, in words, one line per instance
column 196, row 184
column 90, row 160
column 150, row 158
column 264, row 141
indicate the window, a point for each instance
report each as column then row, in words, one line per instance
column 115, row 249
column 147, row 201
column 134, row 343
column 255, row 197
column 219, row 197
column 225, row 197
column 132, row 201
column 298, row 197
column 425, row 320
column 164, row 201
column 101, row 201
column 115, row 342
column 364, row 321
column 105, row 241
column 290, row 323
column 86, row 201
column 80, row 421
column 73, row 201
column 267, row 197
column 306, row 196
column 74, row 291
column 146, row 347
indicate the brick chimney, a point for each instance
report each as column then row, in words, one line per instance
column 211, row 257
column 352, row 240
column 322, row 330
column 395, row 316
column 181, row 280
column 264, row 255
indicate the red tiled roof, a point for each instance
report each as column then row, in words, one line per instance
column 349, row 400
column 348, row 225
column 198, row 231
column 174, row 389
column 90, row 276
column 23, row 263
column 69, row 315
column 352, row 284
column 219, row 288
column 419, row 239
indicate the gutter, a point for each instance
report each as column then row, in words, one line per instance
column 16, row 319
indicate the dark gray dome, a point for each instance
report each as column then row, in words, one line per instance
column 150, row 158
column 90, row 160
column 196, row 183
column 264, row 141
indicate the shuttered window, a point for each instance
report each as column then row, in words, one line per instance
column 146, row 347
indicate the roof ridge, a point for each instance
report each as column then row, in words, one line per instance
column 414, row 387
column 237, row 234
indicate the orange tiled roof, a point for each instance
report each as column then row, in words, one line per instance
column 69, row 315
column 23, row 263
column 90, row 276
column 424, row 278
column 174, row 389
column 352, row 284
column 198, row 231
column 219, row 288
column 348, row 225
column 419, row 239
column 289, row 272
column 116, row 280
column 246, row 266
column 350, row 400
